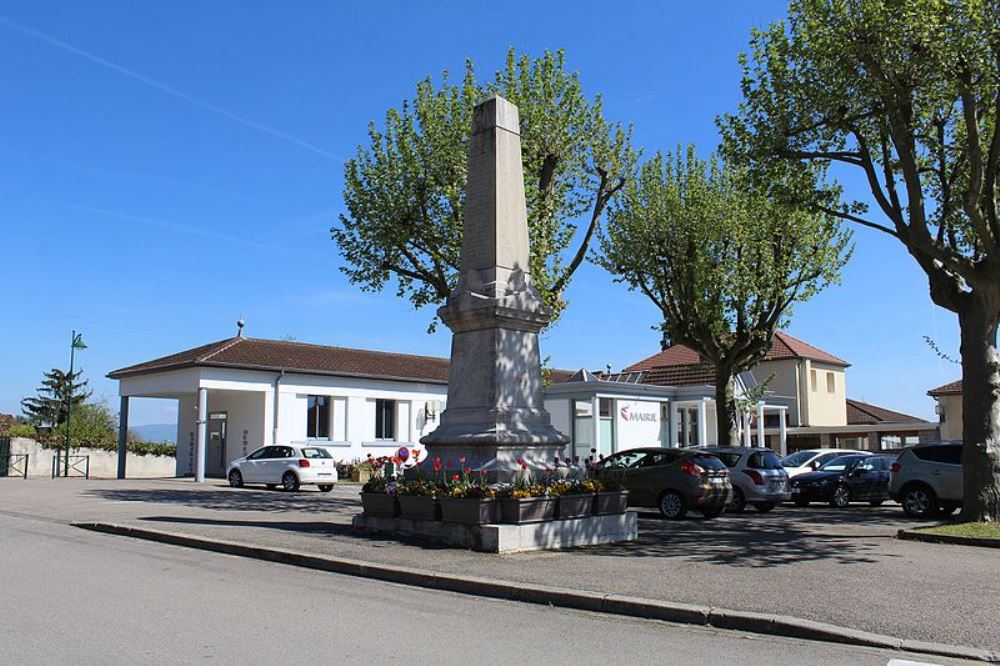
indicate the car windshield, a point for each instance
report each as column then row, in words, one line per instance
column 315, row 452
column 625, row 459
column 841, row 464
column 764, row 460
column 708, row 462
column 797, row 459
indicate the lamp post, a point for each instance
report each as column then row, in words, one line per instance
column 76, row 343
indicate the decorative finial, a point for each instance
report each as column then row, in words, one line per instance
column 239, row 325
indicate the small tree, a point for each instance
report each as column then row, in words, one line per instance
column 907, row 94
column 93, row 425
column 721, row 261
column 48, row 406
column 405, row 190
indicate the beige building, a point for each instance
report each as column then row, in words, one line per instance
column 813, row 383
column 949, row 409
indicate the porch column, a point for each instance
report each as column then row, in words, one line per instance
column 783, row 431
column 745, row 417
column 122, row 435
column 675, row 421
column 201, row 446
column 703, row 424
column 595, row 409
column 760, row 423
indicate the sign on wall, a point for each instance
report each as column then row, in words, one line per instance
column 638, row 423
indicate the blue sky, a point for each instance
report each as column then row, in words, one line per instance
column 166, row 168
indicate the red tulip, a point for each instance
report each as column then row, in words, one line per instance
column 455, row 478
column 468, row 470
column 437, row 464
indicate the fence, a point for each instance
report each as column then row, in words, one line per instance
column 76, row 466
column 15, row 464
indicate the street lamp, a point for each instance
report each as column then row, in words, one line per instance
column 76, row 343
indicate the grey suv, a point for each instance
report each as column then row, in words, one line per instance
column 927, row 479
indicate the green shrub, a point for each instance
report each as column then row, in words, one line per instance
column 21, row 430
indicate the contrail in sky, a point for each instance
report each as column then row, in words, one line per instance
column 162, row 87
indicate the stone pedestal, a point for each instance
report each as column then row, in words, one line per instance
column 495, row 413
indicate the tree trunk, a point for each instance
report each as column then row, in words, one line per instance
column 980, row 411
column 725, row 407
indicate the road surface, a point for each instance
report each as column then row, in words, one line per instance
column 72, row 597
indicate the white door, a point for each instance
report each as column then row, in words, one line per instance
column 252, row 469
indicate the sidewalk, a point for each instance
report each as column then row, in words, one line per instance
column 842, row 568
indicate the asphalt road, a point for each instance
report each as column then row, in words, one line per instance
column 841, row 567
column 73, row 597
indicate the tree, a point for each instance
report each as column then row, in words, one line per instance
column 405, row 190
column 907, row 95
column 48, row 407
column 93, row 425
column 721, row 260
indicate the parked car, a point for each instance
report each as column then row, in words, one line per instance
column 845, row 479
column 756, row 474
column 927, row 479
column 290, row 466
column 671, row 480
column 810, row 460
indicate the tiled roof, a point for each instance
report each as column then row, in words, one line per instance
column 783, row 346
column 681, row 375
column 952, row 388
column 861, row 413
column 259, row 354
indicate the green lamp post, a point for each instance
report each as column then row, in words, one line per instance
column 76, row 343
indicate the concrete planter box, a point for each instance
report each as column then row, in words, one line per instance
column 610, row 503
column 468, row 511
column 576, row 506
column 517, row 511
column 380, row 504
column 420, row 507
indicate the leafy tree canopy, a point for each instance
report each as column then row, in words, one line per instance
column 405, row 190
column 48, row 406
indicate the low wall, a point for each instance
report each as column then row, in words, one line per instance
column 103, row 464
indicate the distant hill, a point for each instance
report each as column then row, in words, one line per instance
column 157, row 432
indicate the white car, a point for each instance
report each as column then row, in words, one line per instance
column 289, row 466
column 810, row 460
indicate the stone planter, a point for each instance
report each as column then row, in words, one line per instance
column 576, row 506
column 610, row 502
column 380, row 504
column 360, row 475
column 527, row 510
column 468, row 511
column 419, row 507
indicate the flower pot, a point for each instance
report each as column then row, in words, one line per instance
column 380, row 504
column 615, row 501
column 468, row 511
column 576, row 506
column 514, row 510
column 420, row 507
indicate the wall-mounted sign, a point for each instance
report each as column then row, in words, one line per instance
column 638, row 423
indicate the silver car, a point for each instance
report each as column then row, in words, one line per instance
column 757, row 476
column 927, row 479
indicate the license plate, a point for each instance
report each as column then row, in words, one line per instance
column 324, row 474
column 796, row 491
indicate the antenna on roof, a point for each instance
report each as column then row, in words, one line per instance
column 239, row 327
column 608, row 367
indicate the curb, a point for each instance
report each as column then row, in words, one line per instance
column 761, row 623
column 917, row 535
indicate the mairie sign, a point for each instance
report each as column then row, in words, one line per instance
column 629, row 413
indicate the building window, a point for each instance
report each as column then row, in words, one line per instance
column 385, row 419
column 831, row 383
column 687, row 426
column 812, row 379
column 318, row 409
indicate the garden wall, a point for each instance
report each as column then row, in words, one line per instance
column 103, row 464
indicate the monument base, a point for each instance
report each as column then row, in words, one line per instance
column 569, row 533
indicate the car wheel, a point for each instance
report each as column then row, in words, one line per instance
column 672, row 505
column 876, row 502
column 764, row 507
column 712, row 513
column 236, row 479
column 290, row 482
column 739, row 501
column 270, row 486
column 841, row 497
column 325, row 487
column 919, row 501
column 801, row 502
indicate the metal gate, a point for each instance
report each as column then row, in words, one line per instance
column 4, row 455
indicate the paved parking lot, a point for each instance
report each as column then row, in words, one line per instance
column 842, row 567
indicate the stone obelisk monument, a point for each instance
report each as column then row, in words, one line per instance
column 495, row 414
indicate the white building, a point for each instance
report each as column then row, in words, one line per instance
column 238, row 394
